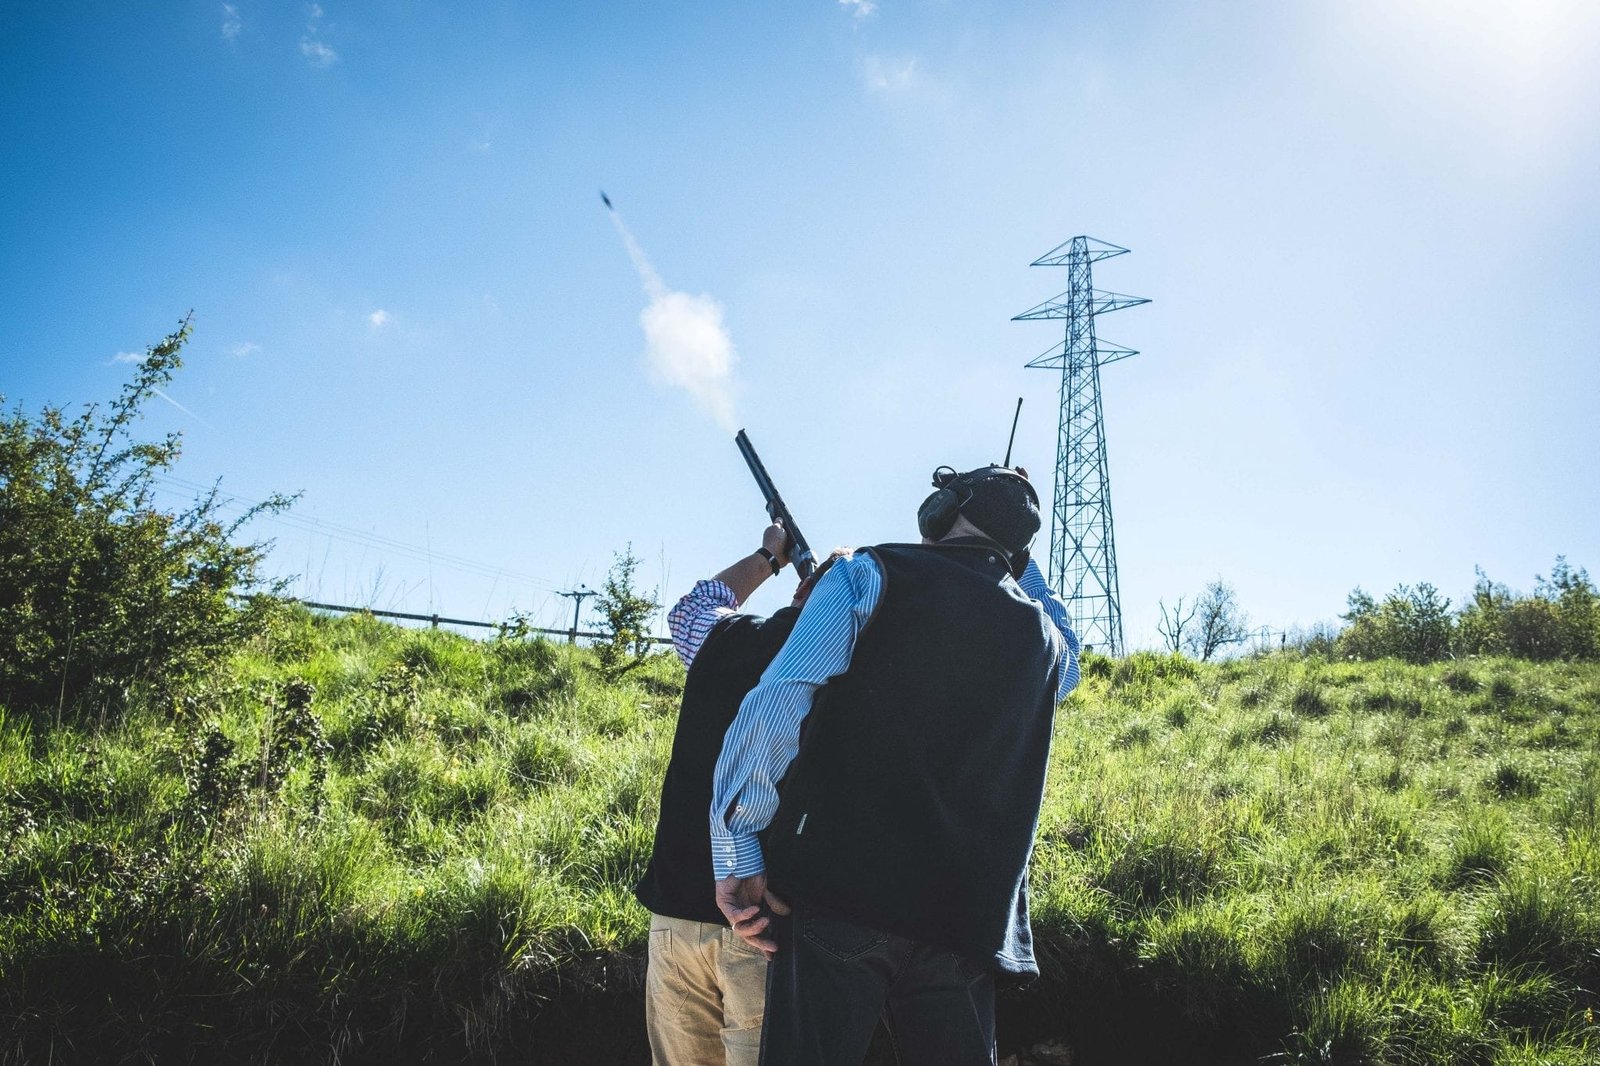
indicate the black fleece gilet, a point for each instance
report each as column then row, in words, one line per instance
column 912, row 803
column 678, row 883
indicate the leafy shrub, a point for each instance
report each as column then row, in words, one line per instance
column 1413, row 624
column 627, row 615
column 102, row 593
column 1561, row 620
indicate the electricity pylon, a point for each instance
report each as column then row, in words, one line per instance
column 1083, row 549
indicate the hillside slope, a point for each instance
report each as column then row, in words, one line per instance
column 373, row 843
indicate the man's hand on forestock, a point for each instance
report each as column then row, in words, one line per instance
column 776, row 540
column 745, row 902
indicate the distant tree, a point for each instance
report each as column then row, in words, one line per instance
column 1481, row 624
column 1412, row 623
column 1421, row 623
column 1577, row 609
column 1173, row 622
column 627, row 614
column 1561, row 620
column 103, row 594
column 1218, row 622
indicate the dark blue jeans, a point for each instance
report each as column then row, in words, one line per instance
column 832, row 979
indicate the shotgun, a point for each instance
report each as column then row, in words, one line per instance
column 798, row 550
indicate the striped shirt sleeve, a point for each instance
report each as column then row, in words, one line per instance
column 694, row 616
column 1037, row 589
column 765, row 735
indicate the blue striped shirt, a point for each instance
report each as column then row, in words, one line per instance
column 764, row 737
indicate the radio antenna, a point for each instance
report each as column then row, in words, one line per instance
column 1013, row 440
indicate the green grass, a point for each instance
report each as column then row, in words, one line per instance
column 1280, row 859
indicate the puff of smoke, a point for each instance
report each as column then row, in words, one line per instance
column 686, row 343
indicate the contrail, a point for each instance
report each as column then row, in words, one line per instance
column 182, row 408
column 686, row 343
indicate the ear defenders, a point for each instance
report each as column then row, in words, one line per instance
column 953, row 491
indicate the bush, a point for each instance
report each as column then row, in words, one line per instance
column 1413, row 624
column 1561, row 620
column 102, row 593
column 627, row 615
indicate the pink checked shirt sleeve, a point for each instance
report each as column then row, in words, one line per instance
column 693, row 617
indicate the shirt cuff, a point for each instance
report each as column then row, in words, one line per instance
column 736, row 856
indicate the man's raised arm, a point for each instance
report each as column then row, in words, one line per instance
column 710, row 601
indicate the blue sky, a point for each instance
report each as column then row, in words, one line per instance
column 1368, row 229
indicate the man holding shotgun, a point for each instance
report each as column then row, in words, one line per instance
column 705, row 986
column 926, row 677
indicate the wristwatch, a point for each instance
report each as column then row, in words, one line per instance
column 772, row 560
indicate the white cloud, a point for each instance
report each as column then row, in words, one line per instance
column 129, row 357
column 244, row 348
column 859, row 8
column 686, row 343
column 317, row 53
column 231, row 22
column 889, row 75
column 379, row 318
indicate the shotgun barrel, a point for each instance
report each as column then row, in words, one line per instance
column 798, row 550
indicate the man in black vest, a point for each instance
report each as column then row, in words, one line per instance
column 705, row 986
column 926, row 677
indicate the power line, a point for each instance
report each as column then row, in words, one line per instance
column 363, row 538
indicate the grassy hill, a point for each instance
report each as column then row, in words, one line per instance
column 400, row 845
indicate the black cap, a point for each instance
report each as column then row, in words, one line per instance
column 1004, row 507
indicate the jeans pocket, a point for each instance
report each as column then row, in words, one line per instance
column 843, row 940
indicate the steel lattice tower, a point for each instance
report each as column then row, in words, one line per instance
column 1083, row 550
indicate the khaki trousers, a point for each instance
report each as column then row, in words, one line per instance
column 705, row 992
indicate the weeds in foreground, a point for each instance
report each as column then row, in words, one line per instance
column 375, row 841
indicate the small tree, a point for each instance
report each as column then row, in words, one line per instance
column 1481, row 624
column 627, row 615
column 1218, row 622
column 103, row 594
column 1561, row 620
column 1412, row 623
column 1577, row 609
column 1173, row 622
